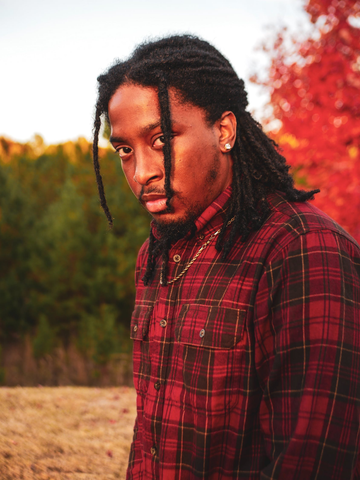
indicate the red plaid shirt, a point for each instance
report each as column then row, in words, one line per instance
column 249, row 367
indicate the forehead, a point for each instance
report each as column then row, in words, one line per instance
column 134, row 97
column 132, row 105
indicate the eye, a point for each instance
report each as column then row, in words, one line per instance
column 159, row 141
column 123, row 151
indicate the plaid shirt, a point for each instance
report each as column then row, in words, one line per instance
column 249, row 367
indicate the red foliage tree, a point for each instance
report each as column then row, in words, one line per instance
column 314, row 89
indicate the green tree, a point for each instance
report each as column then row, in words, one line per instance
column 59, row 259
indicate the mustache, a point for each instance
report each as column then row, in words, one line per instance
column 154, row 190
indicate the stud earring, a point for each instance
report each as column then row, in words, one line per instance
column 227, row 146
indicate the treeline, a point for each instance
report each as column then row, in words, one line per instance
column 65, row 277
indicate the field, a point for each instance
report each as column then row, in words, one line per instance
column 65, row 433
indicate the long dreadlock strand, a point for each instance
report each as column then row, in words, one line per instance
column 163, row 95
column 97, row 126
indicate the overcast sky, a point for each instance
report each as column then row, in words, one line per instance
column 52, row 51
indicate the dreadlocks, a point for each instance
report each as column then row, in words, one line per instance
column 204, row 78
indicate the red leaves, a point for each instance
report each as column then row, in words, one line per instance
column 333, row 11
column 315, row 93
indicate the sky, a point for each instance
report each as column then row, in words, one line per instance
column 51, row 52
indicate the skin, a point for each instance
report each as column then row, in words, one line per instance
column 201, row 166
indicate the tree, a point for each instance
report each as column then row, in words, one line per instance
column 314, row 86
column 60, row 262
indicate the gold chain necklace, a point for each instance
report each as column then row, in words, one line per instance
column 186, row 268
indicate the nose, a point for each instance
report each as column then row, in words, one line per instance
column 148, row 168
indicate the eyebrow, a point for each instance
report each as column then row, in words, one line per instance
column 143, row 131
column 150, row 127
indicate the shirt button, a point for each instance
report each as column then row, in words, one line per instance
column 135, row 328
column 202, row 333
column 176, row 258
column 153, row 451
column 157, row 386
column 201, row 236
column 163, row 323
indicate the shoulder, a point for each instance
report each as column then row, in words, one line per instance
column 290, row 220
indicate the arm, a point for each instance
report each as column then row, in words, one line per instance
column 307, row 336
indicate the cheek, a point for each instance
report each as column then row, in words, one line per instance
column 184, row 176
column 191, row 161
column 129, row 175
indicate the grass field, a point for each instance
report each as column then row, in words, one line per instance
column 64, row 433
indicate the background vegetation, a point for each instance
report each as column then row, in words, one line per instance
column 314, row 115
column 66, row 280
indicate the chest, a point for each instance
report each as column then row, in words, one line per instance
column 206, row 306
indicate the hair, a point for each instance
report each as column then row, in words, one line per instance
column 206, row 79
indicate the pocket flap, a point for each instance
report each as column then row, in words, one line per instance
column 140, row 322
column 208, row 326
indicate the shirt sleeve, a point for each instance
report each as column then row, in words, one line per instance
column 307, row 344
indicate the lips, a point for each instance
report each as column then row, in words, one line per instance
column 154, row 203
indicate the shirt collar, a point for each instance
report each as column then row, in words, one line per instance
column 212, row 216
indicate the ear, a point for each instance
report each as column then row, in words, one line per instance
column 227, row 131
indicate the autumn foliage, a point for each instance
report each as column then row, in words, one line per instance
column 66, row 280
column 314, row 86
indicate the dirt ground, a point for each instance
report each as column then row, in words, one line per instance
column 65, row 433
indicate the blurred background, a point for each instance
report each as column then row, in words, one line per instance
column 66, row 281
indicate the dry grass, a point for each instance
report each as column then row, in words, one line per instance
column 65, row 433
column 64, row 366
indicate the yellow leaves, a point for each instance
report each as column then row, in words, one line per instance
column 353, row 152
column 83, row 144
column 288, row 139
column 10, row 149
column 74, row 151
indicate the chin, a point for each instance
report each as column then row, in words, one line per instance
column 178, row 217
column 169, row 217
column 165, row 218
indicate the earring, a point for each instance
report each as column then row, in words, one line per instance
column 134, row 178
column 227, row 146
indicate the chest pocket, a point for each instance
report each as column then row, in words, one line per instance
column 139, row 329
column 214, row 356
column 140, row 320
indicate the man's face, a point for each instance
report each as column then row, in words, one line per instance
column 201, row 168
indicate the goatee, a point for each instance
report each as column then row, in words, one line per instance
column 169, row 233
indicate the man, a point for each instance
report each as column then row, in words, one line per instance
column 246, row 322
